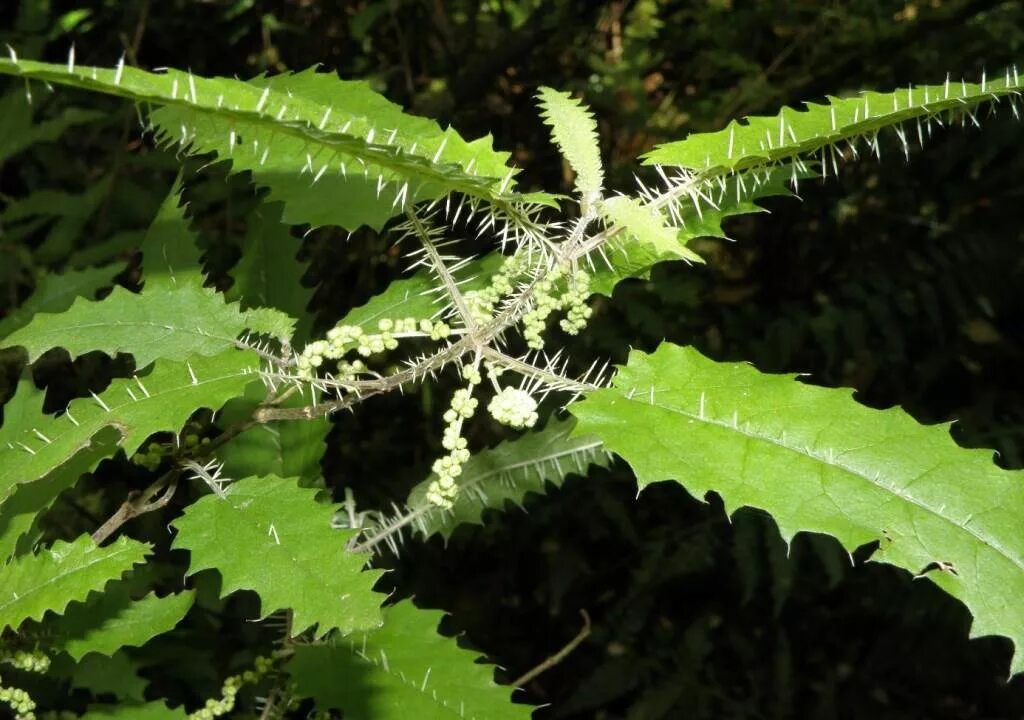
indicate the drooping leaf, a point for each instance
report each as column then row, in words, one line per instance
column 36, row 584
column 271, row 536
column 404, row 669
column 105, row 623
column 310, row 137
column 505, row 474
column 757, row 141
column 173, row 324
column 819, row 462
column 33, row 445
column 56, row 293
column 574, row 131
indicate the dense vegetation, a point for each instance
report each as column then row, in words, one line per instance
column 161, row 255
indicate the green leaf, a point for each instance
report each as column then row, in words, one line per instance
column 155, row 710
column 32, row 445
column 403, row 670
column 819, row 462
column 311, row 138
column 574, row 131
column 416, row 296
column 169, row 252
column 35, row 584
column 173, row 324
column 291, row 449
column 271, row 536
column 269, row 273
column 107, row 622
column 20, row 513
column 18, row 132
column 56, row 293
column 757, row 141
column 505, row 474
column 69, row 213
column 117, row 676
column 632, row 252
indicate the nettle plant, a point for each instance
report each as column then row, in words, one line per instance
column 335, row 153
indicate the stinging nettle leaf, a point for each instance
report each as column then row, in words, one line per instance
column 271, row 536
column 291, row 449
column 416, row 296
column 310, row 137
column 55, row 294
column 175, row 324
column 33, row 445
column 169, row 253
column 628, row 255
column 819, row 462
column 33, row 585
column 404, row 669
column 269, row 274
column 107, row 622
column 155, row 710
column 757, row 141
column 574, row 131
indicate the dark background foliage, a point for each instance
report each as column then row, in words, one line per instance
column 901, row 281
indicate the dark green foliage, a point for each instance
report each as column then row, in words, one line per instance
column 900, row 280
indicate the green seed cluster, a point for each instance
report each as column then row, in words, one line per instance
column 19, row 701
column 34, row 661
column 344, row 339
column 547, row 301
column 155, row 453
column 151, row 456
column 574, row 304
column 481, row 303
column 229, row 691
column 514, row 407
column 442, row 491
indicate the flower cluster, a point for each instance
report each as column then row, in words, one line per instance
column 481, row 302
column 19, row 701
column 229, row 691
column 547, row 300
column 442, row 491
column 343, row 339
column 514, row 407
column 37, row 662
